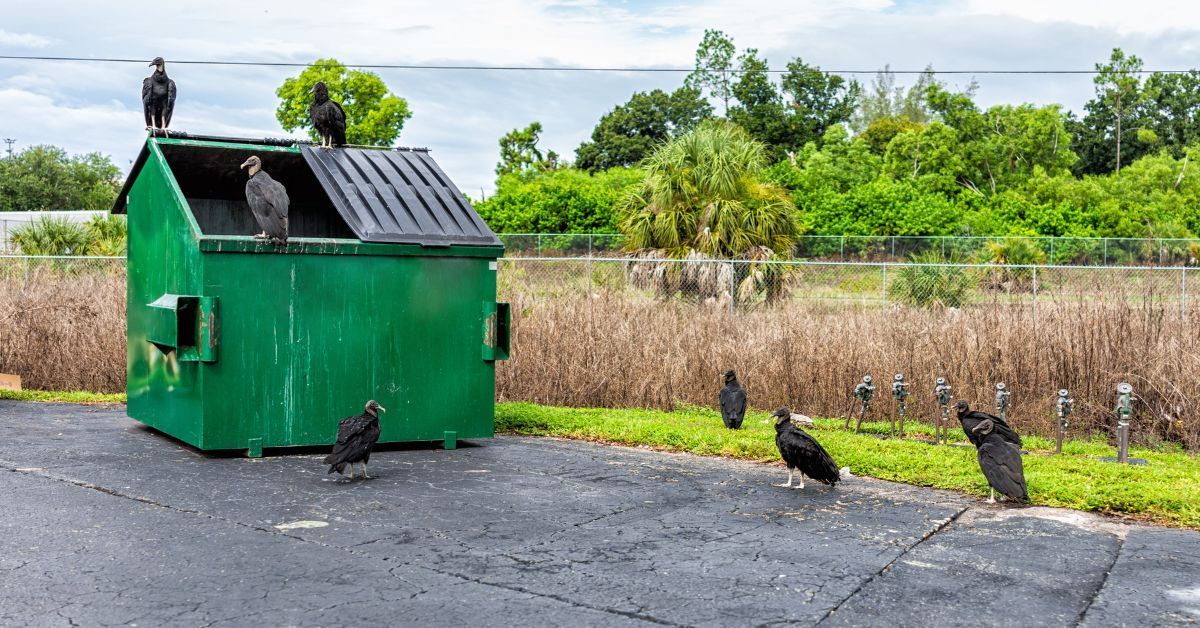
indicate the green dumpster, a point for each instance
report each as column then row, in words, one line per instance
column 386, row 290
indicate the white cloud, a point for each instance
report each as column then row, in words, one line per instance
column 22, row 40
column 460, row 115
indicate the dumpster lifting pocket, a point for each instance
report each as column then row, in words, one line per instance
column 496, row 321
column 186, row 325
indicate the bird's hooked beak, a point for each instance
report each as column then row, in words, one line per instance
column 245, row 164
column 381, row 408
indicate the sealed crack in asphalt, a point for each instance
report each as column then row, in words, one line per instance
column 1103, row 581
column 928, row 535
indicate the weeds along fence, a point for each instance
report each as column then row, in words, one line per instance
column 630, row 332
column 1054, row 250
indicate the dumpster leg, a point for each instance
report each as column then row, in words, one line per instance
column 451, row 441
column 254, row 448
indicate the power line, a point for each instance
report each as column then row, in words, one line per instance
column 530, row 68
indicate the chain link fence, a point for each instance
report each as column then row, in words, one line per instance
column 745, row 285
column 1054, row 251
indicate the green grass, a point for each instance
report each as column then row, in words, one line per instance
column 1166, row 491
column 74, row 396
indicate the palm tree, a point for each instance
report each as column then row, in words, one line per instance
column 702, row 197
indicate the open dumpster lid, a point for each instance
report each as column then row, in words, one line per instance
column 397, row 196
column 393, row 196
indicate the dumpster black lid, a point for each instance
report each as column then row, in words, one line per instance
column 397, row 196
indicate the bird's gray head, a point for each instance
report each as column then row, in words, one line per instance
column 781, row 415
column 373, row 408
column 253, row 163
column 730, row 376
column 962, row 407
column 159, row 63
column 320, row 91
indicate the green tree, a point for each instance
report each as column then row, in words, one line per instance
column 47, row 178
column 630, row 132
column 760, row 109
column 819, row 100
column 519, row 152
column 1171, row 109
column 884, row 99
column 374, row 116
column 704, row 191
column 714, row 71
column 1118, row 84
column 565, row 200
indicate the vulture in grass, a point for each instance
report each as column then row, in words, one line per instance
column 327, row 117
column 158, row 97
column 999, row 450
column 268, row 202
column 356, row 436
column 733, row 402
column 802, row 453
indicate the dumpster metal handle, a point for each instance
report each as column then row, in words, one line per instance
column 497, row 320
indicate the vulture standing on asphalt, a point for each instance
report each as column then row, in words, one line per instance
column 999, row 450
column 802, row 453
column 356, row 436
column 733, row 402
column 268, row 202
column 327, row 117
column 158, row 97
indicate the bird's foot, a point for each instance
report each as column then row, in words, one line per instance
column 798, row 486
column 788, row 485
column 991, row 500
column 261, row 236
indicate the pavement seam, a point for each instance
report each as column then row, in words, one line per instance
column 8, row 466
column 862, row 585
column 1103, row 581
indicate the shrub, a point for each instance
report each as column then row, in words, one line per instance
column 52, row 236
column 932, row 282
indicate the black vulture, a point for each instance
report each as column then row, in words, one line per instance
column 802, row 453
column 268, row 201
column 971, row 419
column 158, row 97
column 733, row 402
column 356, row 436
column 327, row 117
column 999, row 451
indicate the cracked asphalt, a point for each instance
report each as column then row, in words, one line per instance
column 105, row 522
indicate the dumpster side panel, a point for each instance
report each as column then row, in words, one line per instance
column 163, row 259
column 307, row 339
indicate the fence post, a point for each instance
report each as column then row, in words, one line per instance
column 893, row 251
column 25, row 269
column 732, row 287
column 1183, row 293
column 539, row 245
column 842, row 248
column 1105, row 251
column 1035, row 291
column 943, row 239
column 885, row 284
column 1052, row 250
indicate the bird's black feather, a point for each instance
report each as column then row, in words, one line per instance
column 158, row 99
column 268, row 201
column 356, row 436
column 803, row 453
column 328, row 118
column 972, row 419
column 1001, row 464
column 733, row 404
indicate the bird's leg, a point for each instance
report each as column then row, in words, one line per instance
column 801, row 482
column 789, row 482
column 992, row 498
column 365, row 476
column 351, row 471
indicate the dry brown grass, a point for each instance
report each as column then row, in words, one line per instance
column 616, row 351
column 63, row 330
column 66, row 332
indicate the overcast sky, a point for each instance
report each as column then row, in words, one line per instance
column 460, row 115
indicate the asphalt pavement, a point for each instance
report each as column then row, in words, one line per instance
column 106, row 522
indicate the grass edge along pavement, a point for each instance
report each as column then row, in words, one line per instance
column 1167, row 491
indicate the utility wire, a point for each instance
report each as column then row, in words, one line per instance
column 528, row 68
